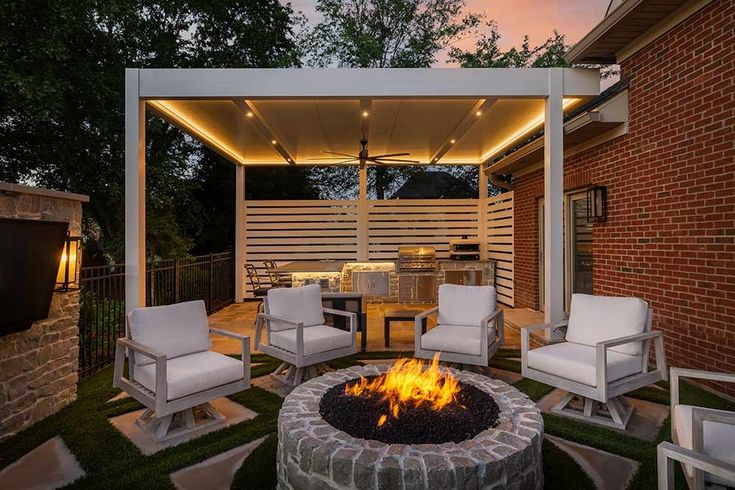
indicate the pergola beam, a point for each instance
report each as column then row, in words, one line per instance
column 455, row 135
column 260, row 123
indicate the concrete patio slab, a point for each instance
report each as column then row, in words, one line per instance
column 644, row 424
column 215, row 473
column 51, row 465
column 608, row 471
column 234, row 414
column 269, row 384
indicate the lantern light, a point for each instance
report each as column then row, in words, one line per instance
column 67, row 278
column 597, row 204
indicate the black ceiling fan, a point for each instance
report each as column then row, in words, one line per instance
column 364, row 157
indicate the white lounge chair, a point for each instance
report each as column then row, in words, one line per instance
column 704, row 439
column 296, row 333
column 604, row 355
column 469, row 326
column 171, row 369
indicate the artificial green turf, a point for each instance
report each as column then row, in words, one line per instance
column 111, row 461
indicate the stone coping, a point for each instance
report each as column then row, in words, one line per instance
column 312, row 453
column 38, row 191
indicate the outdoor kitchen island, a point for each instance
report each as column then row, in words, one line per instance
column 391, row 282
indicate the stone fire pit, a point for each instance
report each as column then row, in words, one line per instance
column 313, row 454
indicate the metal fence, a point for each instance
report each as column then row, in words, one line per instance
column 102, row 315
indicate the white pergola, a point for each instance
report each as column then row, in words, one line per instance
column 289, row 116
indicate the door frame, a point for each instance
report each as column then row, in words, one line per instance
column 568, row 266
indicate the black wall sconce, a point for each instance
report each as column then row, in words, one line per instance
column 67, row 279
column 597, row 204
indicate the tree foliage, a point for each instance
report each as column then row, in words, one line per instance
column 62, row 97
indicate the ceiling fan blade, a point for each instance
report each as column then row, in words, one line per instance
column 391, row 155
column 325, row 158
column 394, row 160
column 340, row 154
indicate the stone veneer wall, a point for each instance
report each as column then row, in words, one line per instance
column 38, row 366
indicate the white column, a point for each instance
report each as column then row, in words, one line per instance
column 554, row 200
column 239, row 233
column 134, row 193
column 362, row 218
column 482, row 212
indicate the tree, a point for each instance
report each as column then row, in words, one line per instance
column 487, row 53
column 385, row 34
column 62, row 97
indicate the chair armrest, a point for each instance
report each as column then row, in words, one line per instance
column 349, row 314
column 677, row 373
column 668, row 452
column 629, row 338
column 141, row 349
column 160, row 383
column 499, row 317
column 427, row 313
column 226, row 333
column 701, row 415
column 267, row 316
column 526, row 331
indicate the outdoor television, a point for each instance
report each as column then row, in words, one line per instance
column 30, row 252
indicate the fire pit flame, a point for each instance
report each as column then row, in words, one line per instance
column 408, row 383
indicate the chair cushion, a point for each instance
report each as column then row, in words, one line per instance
column 303, row 304
column 719, row 440
column 459, row 339
column 175, row 330
column 319, row 338
column 192, row 373
column 577, row 362
column 593, row 319
column 465, row 305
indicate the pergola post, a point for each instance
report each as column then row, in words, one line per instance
column 239, row 233
column 482, row 212
column 362, row 218
column 135, row 271
column 554, row 199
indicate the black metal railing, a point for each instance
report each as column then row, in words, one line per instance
column 102, row 314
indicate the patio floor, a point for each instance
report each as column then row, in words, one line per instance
column 240, row 318
column 83, row 447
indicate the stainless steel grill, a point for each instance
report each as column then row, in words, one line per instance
column 412, row 259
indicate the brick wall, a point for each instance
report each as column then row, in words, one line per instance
column 38, row 366
column 670, row 235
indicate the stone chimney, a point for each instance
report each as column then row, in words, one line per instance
column 38, row 366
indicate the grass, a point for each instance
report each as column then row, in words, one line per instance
column 111, row 461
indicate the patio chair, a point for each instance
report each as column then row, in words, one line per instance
column 704, row 439
column 604, row 355
column 469, row 329
column 277, row 279
column 259, row 292
column 172, row 371
column 295, row 332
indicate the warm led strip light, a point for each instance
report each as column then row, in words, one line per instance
column 533, row 124
column 181, row 120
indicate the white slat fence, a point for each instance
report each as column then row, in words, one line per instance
column 499, row 242
column 290, row 231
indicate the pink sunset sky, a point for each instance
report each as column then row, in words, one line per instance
column 515, row 18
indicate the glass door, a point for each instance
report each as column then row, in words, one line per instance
column 577, row 248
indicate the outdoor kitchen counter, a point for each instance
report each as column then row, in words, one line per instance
column 313, row 266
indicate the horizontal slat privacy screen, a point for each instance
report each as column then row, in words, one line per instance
column 499, row 242
column 288, row 231
column 420, row 222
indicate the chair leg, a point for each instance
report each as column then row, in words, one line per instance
column 290, row 375
column 386, row 333
column 615, row 413
column 179, row 424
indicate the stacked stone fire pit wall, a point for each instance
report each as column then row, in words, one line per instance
column 313, row 454
column 38, row 366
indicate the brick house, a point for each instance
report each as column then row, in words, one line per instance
column 662, row 143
